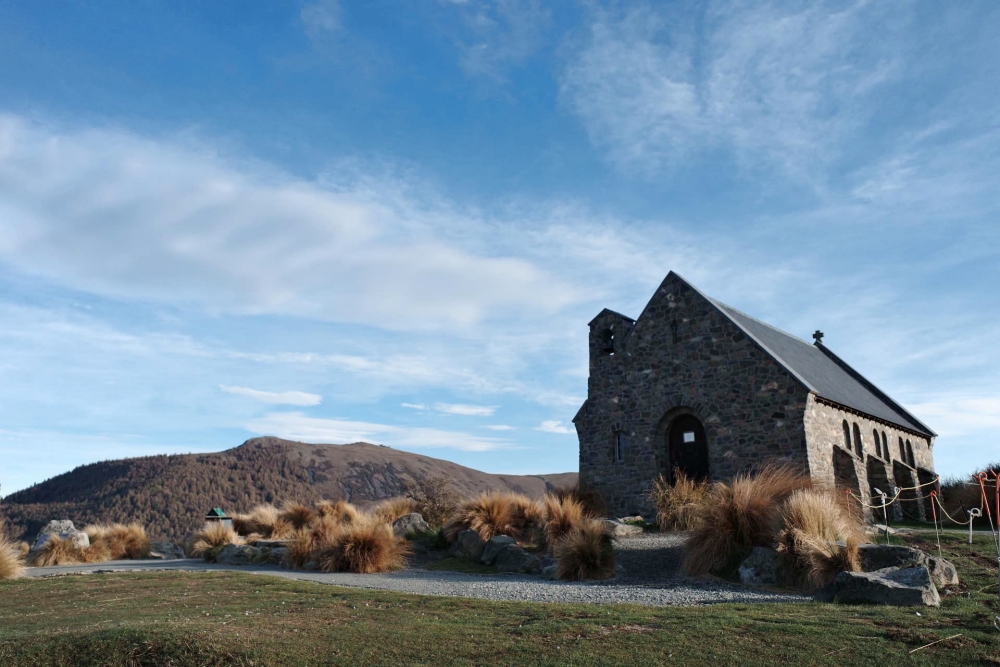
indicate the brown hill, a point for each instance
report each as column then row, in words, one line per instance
column 171, row 494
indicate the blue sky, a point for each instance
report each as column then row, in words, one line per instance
column 391, row 221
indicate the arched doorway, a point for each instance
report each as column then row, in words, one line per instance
column 687, row 448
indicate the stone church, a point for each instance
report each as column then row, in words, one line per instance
column 696, row 385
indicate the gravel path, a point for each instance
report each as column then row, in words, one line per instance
column 637, row 558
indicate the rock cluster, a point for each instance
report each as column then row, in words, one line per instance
column 65, row 530
column 410, row 524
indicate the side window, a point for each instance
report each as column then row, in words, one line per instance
column 902, row 451
column 619, row 447
column 909, row 455
column 608, row 342
column 859, row 447
column 885, row 448
column 847, row 436
column 878, row 443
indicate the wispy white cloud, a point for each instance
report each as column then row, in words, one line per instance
column 321, row 18
column 501, row 34
column 465, row 410
column 778, row 83
column 414, row 406
column 247, row 239
column 275, row 398
column 501, row 427
column 297, row 426
column 554, row 426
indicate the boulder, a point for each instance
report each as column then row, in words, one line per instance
column 468, row 544
column 241, row 554
column 512, row 558
column 763, row 567
column 898, row 587
column 493, row 548
column 276, row 555
column 410, row 524
column 620, row 529
column 271, row 544
column 876, row 557
column 63, row 529
column 166, row 551
column 549, row 571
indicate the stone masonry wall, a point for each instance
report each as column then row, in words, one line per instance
column 825, row 430
column 683, row 357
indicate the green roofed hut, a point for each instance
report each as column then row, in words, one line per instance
column 216, row 514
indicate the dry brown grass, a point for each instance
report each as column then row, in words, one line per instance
column 296, row 515
column 264, row 520
column 678, row 507
column 562, row 514
column 391, row 509
column 341, row 511
column 56, row 551
column 586, row 552
column 300, row 549
column 497, row 513
column 363, row 547
column 11, row 559
column 122, row 541
column 813, row 521
column 213, row 536
column 590, row 499
column 739, row 515
column 25, row 548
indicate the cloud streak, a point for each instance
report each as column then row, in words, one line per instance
column 274, row 398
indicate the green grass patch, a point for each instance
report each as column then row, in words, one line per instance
column 223, row 618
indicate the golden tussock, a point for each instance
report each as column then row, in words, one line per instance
column 562, row 515
column 586, row 552
column 678, row 507
column 212, row 537
column 391, row 509
column 497, row 513
column 121, row 541
column 11, row 559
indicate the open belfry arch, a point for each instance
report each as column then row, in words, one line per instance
column 697, row 386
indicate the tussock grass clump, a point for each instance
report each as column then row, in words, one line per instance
column 11, row 558
column 341, row 511
column 56, row 551
column 591, row 500
column 562, row 515
column 678, row 507
column 586, row 552
column 497, row 513
column 265, row 521
column 122, row 541
column 296, row 515
column 212, row 538
column 814, row 521
column 738, row 516
column 391, row 509
column 364, row 547
column 25, row 548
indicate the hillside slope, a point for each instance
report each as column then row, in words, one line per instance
column 170, row 494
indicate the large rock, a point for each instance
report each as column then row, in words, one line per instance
column 876, row 557
column 468, row 544
column 493, row 548
column 763, row 567
column 621, row 529
column 272, row 544
column 512, row 558
column 63, row 529
column 899, row 587
column 410, row 524
column 166, row 551
column 233, row 554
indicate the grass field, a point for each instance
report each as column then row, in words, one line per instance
column 185, row 619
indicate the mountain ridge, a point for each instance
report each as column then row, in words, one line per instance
column 170, row 494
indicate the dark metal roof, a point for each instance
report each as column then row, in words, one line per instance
column 608, row 310
column 823, row 372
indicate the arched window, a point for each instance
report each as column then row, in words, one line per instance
column 619, row 447
column 885, row 448
column 608, row 341
column 847, row 435
column 859, row 446
column 909, row 455
column 878, row 443
column 902, row 451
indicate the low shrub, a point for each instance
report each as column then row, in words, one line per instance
column 738, row 516
column 391, row 509
column 435, row 499
column 122, row 541
column 497, row 513
column 11, row 559
column 212, row 538
column 586, row 552
column 678, row 506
